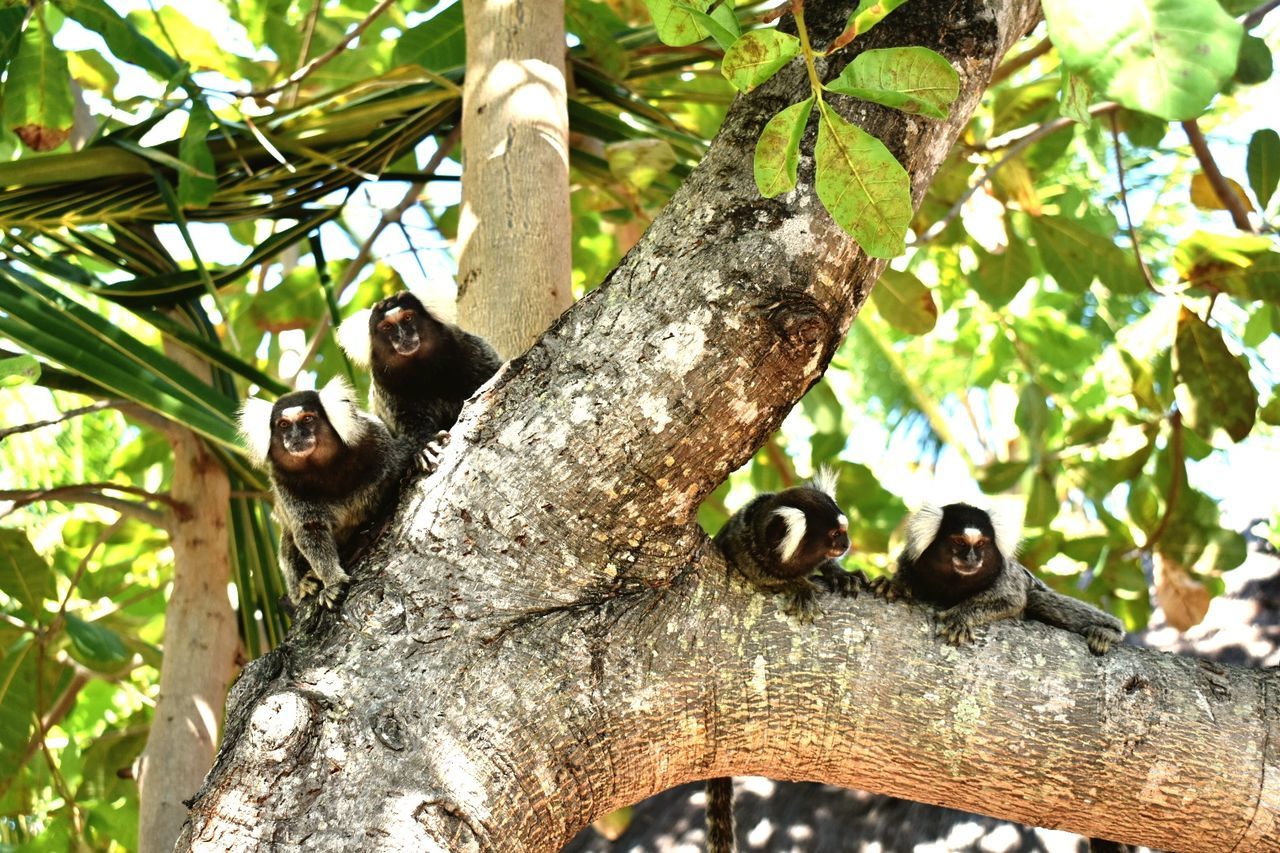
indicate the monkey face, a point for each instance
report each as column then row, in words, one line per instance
column 965, row 542
column 301, row 435
column 805, row 528
column 400, row 328
column 968, row 551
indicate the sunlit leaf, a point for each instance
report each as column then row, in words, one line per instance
column 197, row 186
column 1165, row 57
column 19, row 370
column 92, row 70
column 1255, row 65
column 122, row 38
column 1205, row 197
column 756, row 56
column 24, row 575
column 640, row 162
column 1183, row 600
column 905, row 302
column 437, row 44
column 1243, row 265
column 1263, row 164
column 778, row 149
column 676, row 22
column 862, row 186
column 867, row 14
column 1075, row 256
column 911, row 79
column 1219, row 391
column 38, row 106
column 1000, row 277
column 1001, row 476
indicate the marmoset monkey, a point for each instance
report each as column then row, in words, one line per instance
column 961, row 558
column 331, row 466
column 778, row 541
column 423, row 366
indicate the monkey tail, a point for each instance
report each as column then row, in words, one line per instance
column 720, row 815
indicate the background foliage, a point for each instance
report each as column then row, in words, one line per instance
column 231, row 179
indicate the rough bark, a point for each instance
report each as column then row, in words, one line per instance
column 200, row 640
column 544, row 634
column 515, row 267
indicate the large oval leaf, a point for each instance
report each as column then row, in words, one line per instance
column 24, row 576
column 1219, row 392
column 37, row 96
column 1165, row 57
column 95, row 645
column 757, row 56
column 862, row 186
column 1263, row 164
column 911, row 79
column 676, row 22
column 778, row 149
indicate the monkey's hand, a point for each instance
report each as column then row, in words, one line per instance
column 333, row 587
column 802, row 602
column 841, row 582
column 955, row 627
column 885, row 587
column 1100, row 638
column 429, row 456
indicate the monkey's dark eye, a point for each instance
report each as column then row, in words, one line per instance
column 283, row 424
column 308, row 419
column 407, row 314
column 386, row 326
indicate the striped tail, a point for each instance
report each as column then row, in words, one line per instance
column 720, row 815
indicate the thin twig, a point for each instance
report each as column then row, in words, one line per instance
column 65, row 416
column 779, row 460
column 1259, row 12
column 93, row 493
column 1124, row 203
column 1012, row 66
column 1011, row 150
column 306, row 70
column 366, row 248
column 1221, row 188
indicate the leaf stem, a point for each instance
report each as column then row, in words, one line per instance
column 797, row 10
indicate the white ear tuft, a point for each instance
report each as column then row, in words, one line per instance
column 255, row 429
column 439, row 301
column 340, row 408
column 1008, row 532
column 922, row 529
column 826, row 480
column 794, row 519
column 353, row 337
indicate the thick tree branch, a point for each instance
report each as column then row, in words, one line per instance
column 543, row 634
column 95, row 493
column 1221, row 187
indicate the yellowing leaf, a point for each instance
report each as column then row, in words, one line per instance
column 639, row 162
column 1205, row 197
column 778, row 149
column 911, row 79
column 757, row 56
column 1218, row 390
column 862, row 186
column 38, row 106
column 904, row 301
column 675, row 21
column 1184, row 601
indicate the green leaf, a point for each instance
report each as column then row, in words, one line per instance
column 757, row 56
column 722, row 24
column 904, row 301
column 1042, row 503
column 1165, row 57
column 197, row 186
column 11, row 15
column 1241, row 265
column 1255, row 65
column 1001, row 476
column 596, row 27
column 95, row 645
column 862, row 186
column 437, row 44
column 640, row 162
column 1219, row 391
column 1270, row 413
column 1075, row 256
column 1075, row 98
column 38, row 106
column 24, row 575
column 121, row 37
column 19, row 370
column 1263, row 164
column 94, row 71
column 864, row 17
column 1000, row 277
column 18, row 710
column 912, row 79
column 676, row 22
column 778, row 149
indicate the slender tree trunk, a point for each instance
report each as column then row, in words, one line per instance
column 544, row 634
column 515, row 267
column 200, row 640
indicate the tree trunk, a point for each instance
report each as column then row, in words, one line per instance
column 200, row 640
column 544, row 634
column 515, row 265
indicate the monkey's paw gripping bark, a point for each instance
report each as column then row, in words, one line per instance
column 1100, row 638
column 954, row 628
column 884, row 587
column 802, row 603
column 308, row 586
column 849, row 584
column 429, row 456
